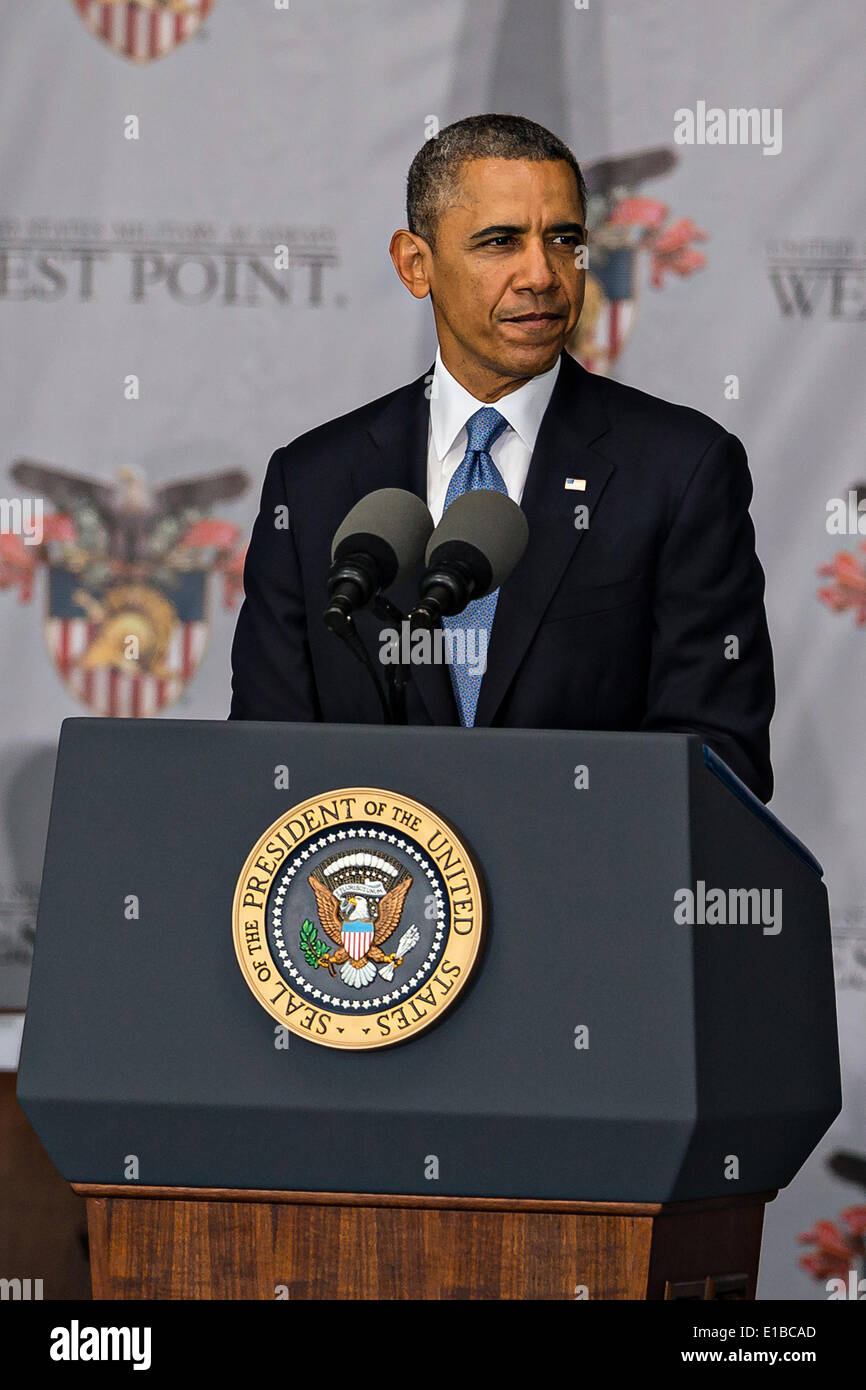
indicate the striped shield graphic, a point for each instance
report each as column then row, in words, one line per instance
column 142, row 30
column 357, row 937
column 609, row 309
column 87, row 639
column 617, row 274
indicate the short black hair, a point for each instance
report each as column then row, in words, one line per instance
column 434, row 172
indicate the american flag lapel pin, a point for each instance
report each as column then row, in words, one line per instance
column 575, row 484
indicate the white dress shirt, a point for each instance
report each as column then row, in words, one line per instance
column 451, row 405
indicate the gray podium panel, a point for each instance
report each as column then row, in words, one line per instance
column 712, row 1062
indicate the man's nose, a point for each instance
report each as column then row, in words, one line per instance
column 536, row 270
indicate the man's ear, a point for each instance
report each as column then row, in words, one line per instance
column 410, row 252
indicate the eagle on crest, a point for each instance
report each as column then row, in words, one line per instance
column 360, row 897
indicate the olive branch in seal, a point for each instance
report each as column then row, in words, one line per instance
column 311, row 944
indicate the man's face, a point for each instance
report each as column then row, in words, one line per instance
column 506, row 289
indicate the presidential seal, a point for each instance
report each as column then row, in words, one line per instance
column 358, row 918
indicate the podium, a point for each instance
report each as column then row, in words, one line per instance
column 640, row 1052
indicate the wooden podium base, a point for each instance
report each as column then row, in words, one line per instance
column 198, row 1243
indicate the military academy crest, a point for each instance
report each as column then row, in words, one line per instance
column 142, row 30
column 358, row 918
column 627, row 229
column 127, row 575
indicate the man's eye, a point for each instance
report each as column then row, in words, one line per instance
column 571, row 238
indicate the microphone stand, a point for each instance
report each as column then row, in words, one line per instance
column 349, row 633
column 397, row 675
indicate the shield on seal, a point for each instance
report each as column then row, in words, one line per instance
column 87, row 634
column 142, row 30
column 357, row 937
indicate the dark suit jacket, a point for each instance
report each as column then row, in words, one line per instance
column 621, row 625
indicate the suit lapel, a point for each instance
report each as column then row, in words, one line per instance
column 400, row 434
column 574, row 419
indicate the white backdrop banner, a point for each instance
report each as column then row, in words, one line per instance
column 196, row 200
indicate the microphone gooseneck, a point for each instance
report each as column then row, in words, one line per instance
column 352, row 582
column 458, row 572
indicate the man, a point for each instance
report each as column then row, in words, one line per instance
column 639, row 601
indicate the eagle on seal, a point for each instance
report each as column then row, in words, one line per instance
column 360, row 899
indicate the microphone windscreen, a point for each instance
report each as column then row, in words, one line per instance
column 489, row 521
column 390, row 516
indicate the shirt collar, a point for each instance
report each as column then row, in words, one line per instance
column 451, row 405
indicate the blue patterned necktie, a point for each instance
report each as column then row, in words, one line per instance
column 477, row 470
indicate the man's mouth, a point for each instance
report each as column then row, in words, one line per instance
column 533, row 318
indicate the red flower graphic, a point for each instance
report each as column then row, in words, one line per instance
column 837, row 1251
column 670, row 247
column 848, row 590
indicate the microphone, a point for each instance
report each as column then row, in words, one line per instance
column 381, row 539
column 478, row 542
